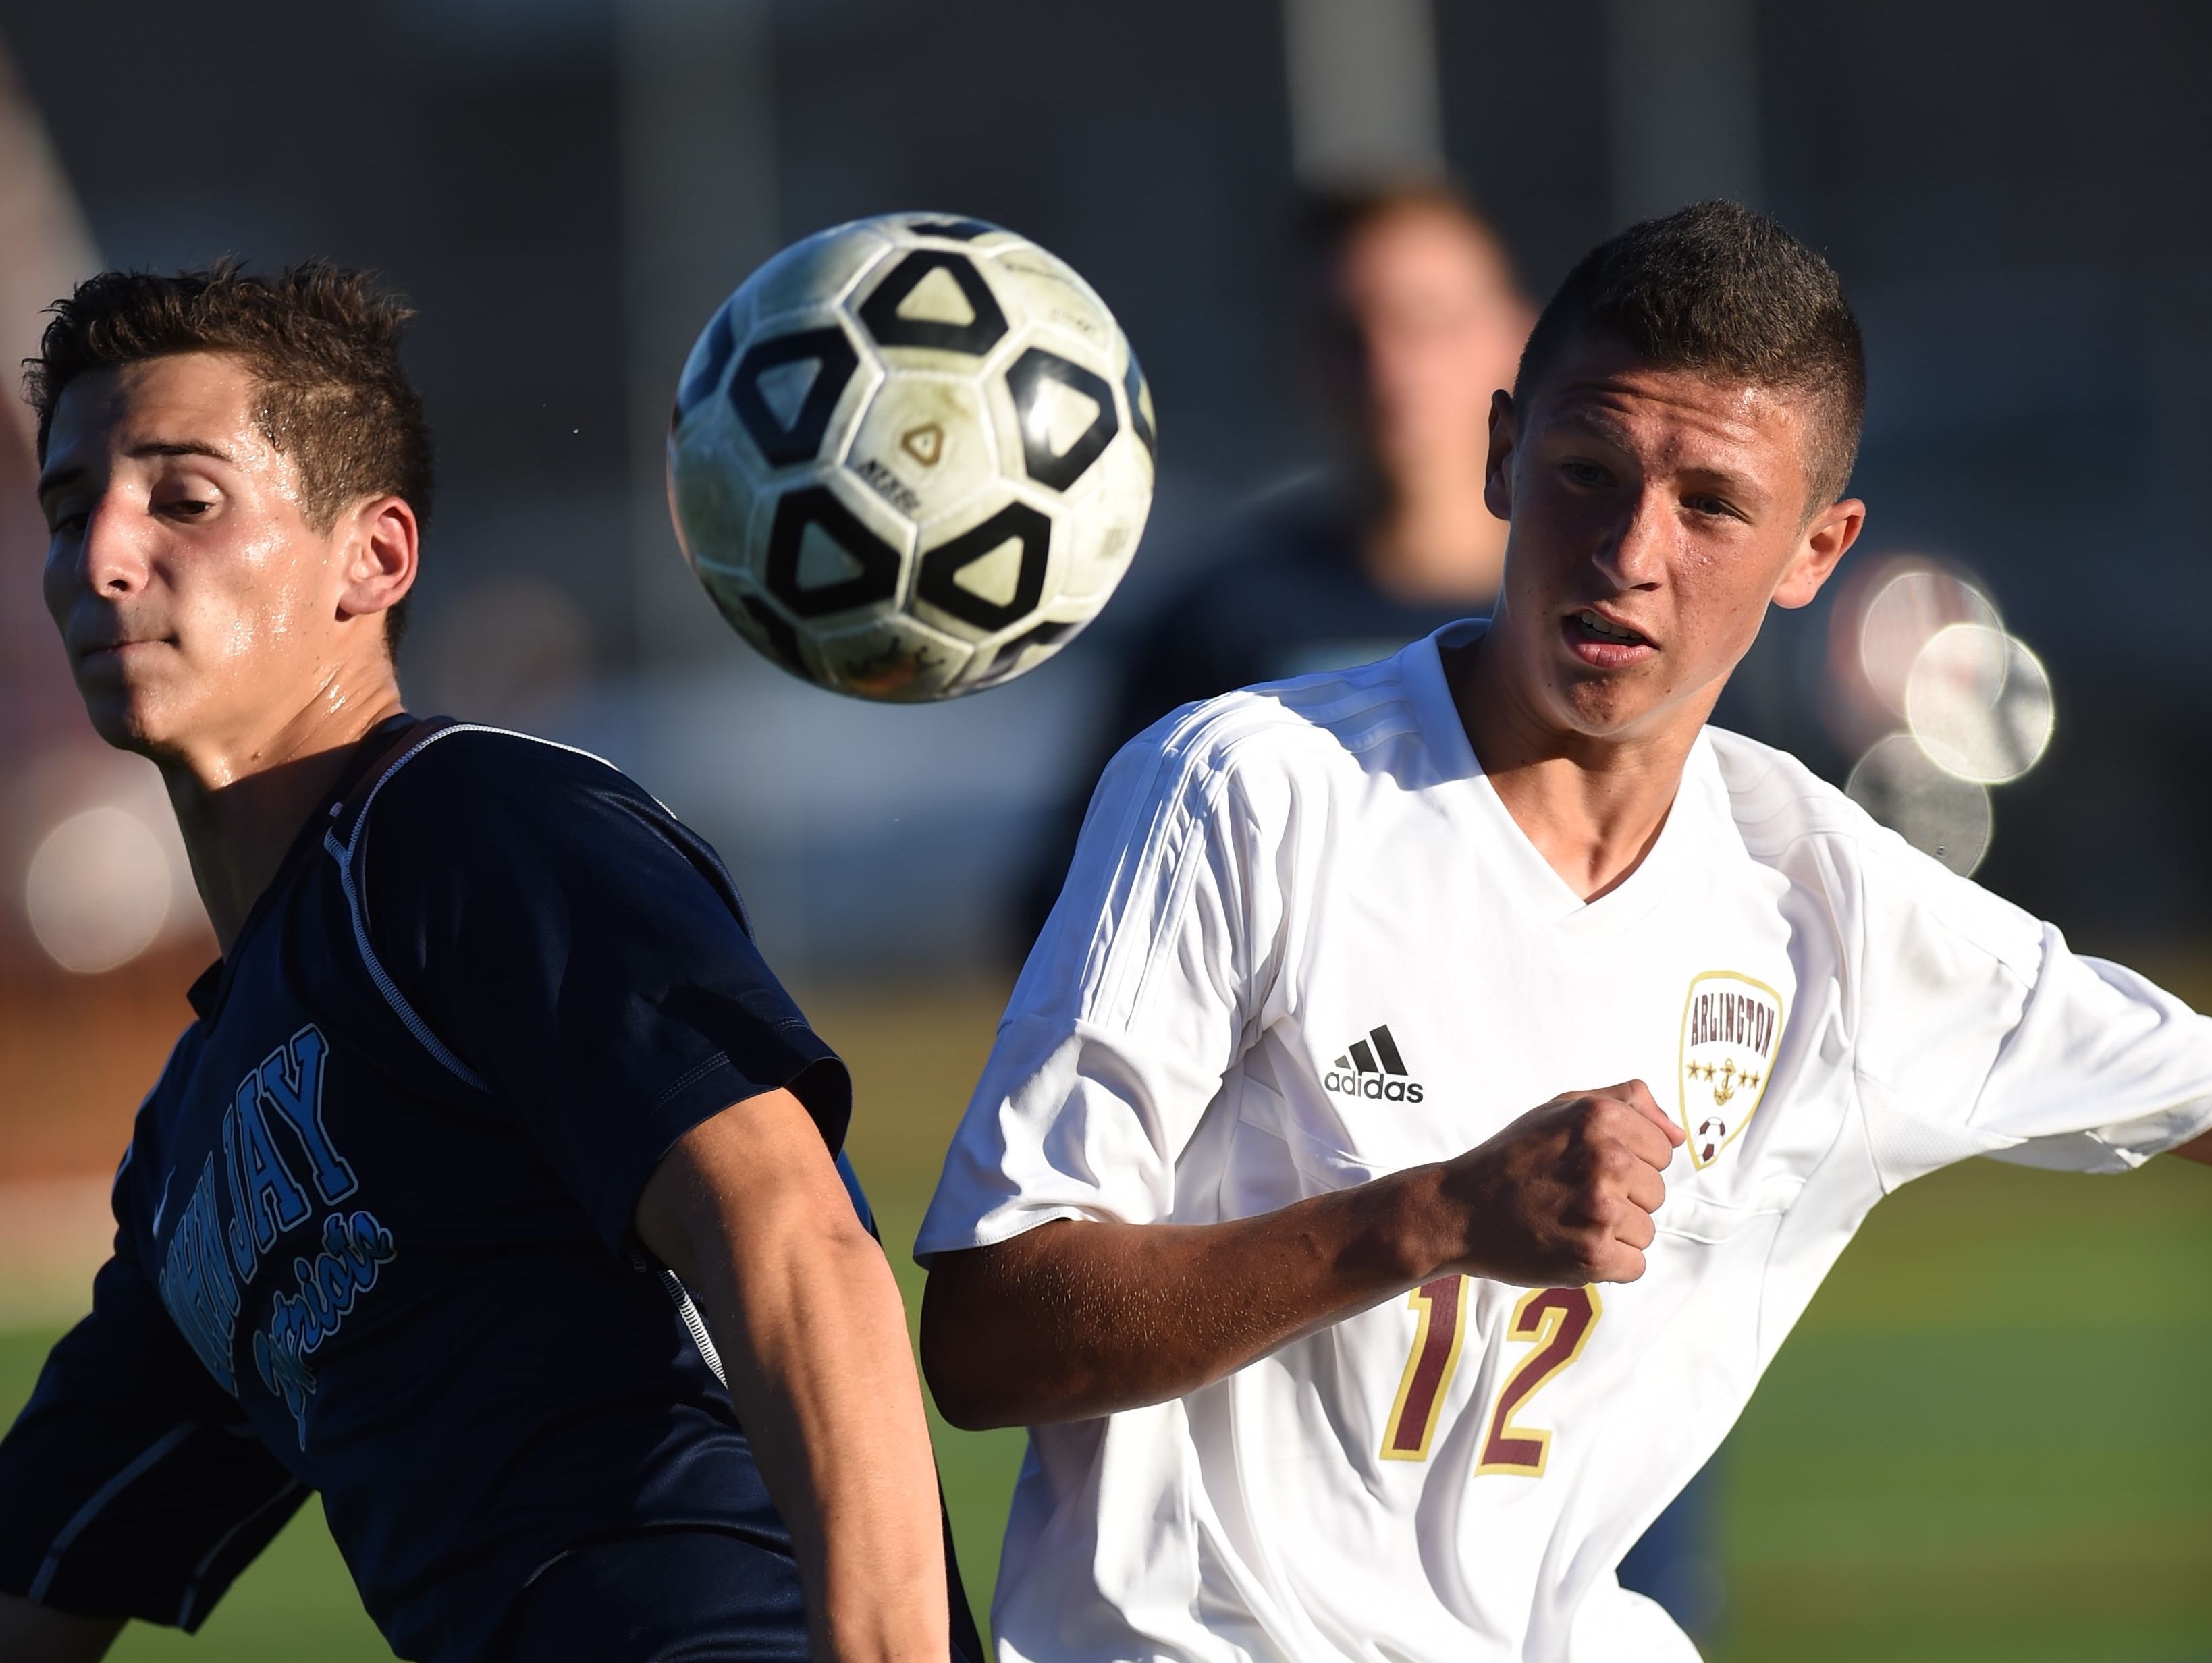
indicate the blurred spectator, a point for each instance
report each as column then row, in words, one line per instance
column 1418, row 320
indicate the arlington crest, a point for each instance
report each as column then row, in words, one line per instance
column 1731, row 1029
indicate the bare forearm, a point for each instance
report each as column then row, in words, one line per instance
column 815, row 1344
column 1079, row 1318
column 747, row 1209
column 38, row 1634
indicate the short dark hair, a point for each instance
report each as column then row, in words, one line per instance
column 322, row 342
column 1720, row 289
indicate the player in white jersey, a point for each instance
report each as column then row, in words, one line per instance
column 1331, row 1346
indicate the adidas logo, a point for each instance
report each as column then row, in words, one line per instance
column 1372, row 1068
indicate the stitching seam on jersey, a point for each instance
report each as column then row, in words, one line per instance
column 200, row 1570
column 150, row 1456
column 691, row 1077
column 1859, row 838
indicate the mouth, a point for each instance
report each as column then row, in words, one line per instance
column 1605, row 643
column 115, row 651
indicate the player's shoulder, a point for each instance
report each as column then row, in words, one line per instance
column 467, row 792
column 468, row 804
column 1777, row 802
column 473, row 765
column 1304, row 728
column 1791, row 819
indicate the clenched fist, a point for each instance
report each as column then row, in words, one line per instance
column 1564, row 1195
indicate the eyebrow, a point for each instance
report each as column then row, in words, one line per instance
column 1592, row 423
column 54, row 479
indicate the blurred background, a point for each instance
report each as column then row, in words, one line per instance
column 1987, row 1438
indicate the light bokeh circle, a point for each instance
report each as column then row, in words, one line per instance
column 1908, row 612
column 1933, row 810
column 98, row 889
column 1979, row 702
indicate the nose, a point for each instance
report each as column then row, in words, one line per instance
column 113, row 555
column 1636, row 557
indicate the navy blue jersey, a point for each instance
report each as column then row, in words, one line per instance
column 373, row 1228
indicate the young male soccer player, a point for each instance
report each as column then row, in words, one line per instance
column 489, row 1038
column 1331, row 1345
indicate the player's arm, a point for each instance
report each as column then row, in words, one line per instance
column 124, row 1493
column 38, row 1634
column 1079, row 1318
column 749, row 1210
column 589, row 957
column 2199, row 1150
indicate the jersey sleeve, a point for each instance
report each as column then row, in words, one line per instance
column 575, row 948
column 130, row 1485
column 1982, row 1033
column 1149, row 980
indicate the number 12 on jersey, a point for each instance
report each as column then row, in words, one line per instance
column 1559, row 1321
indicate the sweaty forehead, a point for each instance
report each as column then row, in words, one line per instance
column 198, row 399
column 214, row 390
column 1689, row 416
column 1682, row 402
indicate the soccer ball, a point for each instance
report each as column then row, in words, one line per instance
column 911, row 456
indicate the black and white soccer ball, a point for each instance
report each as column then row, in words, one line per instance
column 911, row 456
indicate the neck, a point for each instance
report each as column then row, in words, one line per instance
column 1435, row 539
column 241, row 801
column 1594, row 807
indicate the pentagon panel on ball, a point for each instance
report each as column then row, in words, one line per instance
column 911, row 456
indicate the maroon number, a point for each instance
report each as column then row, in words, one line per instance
column 1413, row 1421
column 1559, row 1320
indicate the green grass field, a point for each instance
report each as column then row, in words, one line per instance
column 1987, row 1439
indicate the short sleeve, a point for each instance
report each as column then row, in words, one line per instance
column 1987, row 1034
column 581, row 952
column 2102, row 1071
column 130, row 1485
column 1141, row 993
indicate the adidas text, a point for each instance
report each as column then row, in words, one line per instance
column 1372, row 1068
column 1373, row 1085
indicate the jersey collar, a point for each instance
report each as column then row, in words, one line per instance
column 1534, row 880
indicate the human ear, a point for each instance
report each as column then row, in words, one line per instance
column 1498, row 471
column 1825, row 543
column 381, row 546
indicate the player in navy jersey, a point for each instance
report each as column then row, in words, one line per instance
column 495, row 1148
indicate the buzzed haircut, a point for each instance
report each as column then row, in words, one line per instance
column 322, row 342
column 1719, row 289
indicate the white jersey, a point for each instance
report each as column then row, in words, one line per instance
column 1302, row 946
